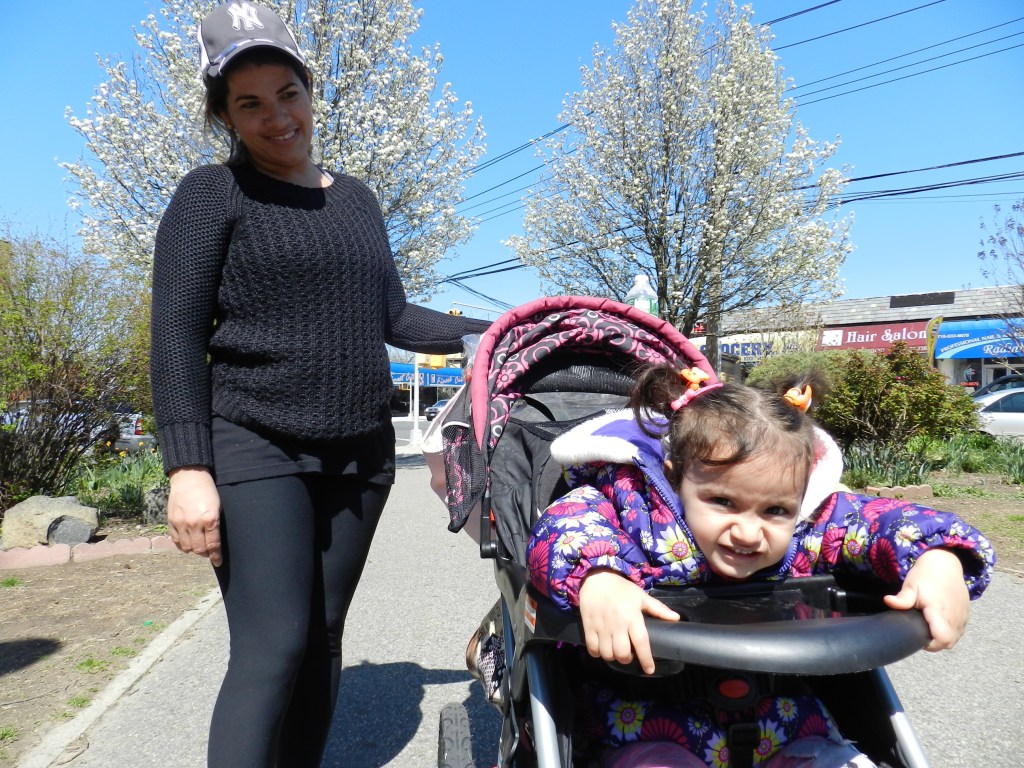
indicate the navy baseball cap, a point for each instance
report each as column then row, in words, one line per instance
column 236, row 27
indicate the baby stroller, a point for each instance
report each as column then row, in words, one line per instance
column 540, row 370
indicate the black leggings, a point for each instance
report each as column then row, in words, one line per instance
column 294, row 549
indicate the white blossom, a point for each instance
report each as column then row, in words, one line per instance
column 380, row 114
column 684, row 161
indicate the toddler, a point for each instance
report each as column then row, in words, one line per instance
column 727, row 483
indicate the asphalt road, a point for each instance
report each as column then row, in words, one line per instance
column 404, row 660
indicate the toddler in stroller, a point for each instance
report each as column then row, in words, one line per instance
column 752, row 509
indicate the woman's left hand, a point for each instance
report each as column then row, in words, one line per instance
column 935, row 586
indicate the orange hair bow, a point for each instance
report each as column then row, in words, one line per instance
column 799, row 398
column 696, row 384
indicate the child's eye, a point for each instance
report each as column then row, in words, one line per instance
column 721, row 501
column 777, row 512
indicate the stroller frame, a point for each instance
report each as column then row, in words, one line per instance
column 845, row 642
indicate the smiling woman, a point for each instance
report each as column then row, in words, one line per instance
column 271, row 386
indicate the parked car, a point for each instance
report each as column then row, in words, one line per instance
column 1002, row 413
column 131, row 433
column 1000, row 383
column 433, row 410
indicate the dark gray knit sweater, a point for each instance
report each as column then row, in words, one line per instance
column 271, row 306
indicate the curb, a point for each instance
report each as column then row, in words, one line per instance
column 56, row 741
column 59, row 554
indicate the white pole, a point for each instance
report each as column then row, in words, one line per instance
column 415, row 436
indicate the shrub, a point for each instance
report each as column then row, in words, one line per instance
column 1013, row 458
column 887, row 397
column 72, row 349
column 888, row 464
column 117, row 484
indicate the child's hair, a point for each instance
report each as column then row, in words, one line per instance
column 726, row 424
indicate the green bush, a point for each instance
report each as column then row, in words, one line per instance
column 966, row 452
column 885, row 464
column 72, row 350
column 887, row 397
column 1013, row 460
column 116, row 484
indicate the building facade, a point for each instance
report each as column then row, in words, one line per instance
column 978, row 333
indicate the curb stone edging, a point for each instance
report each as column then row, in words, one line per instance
column 56, row 740
column 58, row 554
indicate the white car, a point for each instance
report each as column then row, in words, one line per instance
column 1002, row 412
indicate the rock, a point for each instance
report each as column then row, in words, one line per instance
column 28, row 524
column 69, row 530
column 154, row 506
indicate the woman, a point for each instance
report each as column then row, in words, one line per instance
column 274, row 293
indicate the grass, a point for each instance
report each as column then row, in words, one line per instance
column 962, row 492
column 91, row 665
column 8, row 733
column 10, row 582
column 79, row 702
column 123, row 652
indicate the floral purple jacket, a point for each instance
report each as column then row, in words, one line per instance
column 622, row 514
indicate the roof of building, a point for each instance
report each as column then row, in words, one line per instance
column 965, row 304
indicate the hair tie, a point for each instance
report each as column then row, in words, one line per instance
column 696, row 384
column 799, row 398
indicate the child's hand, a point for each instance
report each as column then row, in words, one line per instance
column 612, row 609
column 935, row 586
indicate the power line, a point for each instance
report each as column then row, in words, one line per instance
column 799, row 13
column 858, row 26
column 906, row 77
column 904, row 55
column 913, row 64
column 807, row 10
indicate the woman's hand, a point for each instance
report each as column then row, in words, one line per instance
column 935, row 586
column 612, row 609
column 193, row 512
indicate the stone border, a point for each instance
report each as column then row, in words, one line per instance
column 58, row 554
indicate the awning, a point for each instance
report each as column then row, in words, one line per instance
column 401, row 373
column 978, row 339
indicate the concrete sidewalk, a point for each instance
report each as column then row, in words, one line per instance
column 404, row 660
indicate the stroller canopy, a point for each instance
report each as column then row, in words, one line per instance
column 542, row 335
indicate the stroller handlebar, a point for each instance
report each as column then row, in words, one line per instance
column 806, row 626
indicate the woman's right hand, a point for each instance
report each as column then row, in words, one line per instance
column 193, row 512
column 612, row 609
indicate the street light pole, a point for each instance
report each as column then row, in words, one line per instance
column 415, row 435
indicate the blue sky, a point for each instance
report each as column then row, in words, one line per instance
column 517, row 61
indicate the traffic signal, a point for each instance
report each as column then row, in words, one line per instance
column 454, row 311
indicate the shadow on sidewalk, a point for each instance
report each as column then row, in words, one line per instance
column 379, row 713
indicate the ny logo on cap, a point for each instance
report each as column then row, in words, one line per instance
column 244, row 13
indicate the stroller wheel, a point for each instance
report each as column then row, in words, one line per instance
column 454, row 744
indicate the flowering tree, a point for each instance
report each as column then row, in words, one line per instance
column 1002, row 263
column 684, row 162
column 379, row 115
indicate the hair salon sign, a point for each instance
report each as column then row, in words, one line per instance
column 880, row 336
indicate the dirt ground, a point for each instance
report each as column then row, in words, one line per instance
column 67, row 630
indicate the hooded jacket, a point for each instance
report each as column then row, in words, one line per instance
column 623, row 515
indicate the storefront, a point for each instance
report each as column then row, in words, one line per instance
column 973, row 352
column 442, row 383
